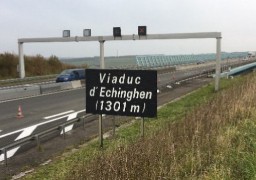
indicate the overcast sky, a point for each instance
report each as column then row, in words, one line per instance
column 235, row 19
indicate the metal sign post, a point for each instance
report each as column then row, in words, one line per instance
column 114, row 126
column 21, row 61
column 100, row 131
column 102, row 66
column 218, row 66
column 142, row 127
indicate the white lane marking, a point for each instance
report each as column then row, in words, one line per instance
column 55, row 115
column 67, row 128
column 10, row 153
column 33, row 125
column 42, row 123
column 70, row 117
column 70, row 127
column 8, row 134
column 29, row 130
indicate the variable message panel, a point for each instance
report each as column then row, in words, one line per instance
column 121, row 92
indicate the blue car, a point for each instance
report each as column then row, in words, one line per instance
column 71, row 75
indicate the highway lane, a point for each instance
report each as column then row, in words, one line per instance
column 35, row 109
column 40, row 113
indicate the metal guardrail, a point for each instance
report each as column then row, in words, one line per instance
column 16, row 92
column 36, row 137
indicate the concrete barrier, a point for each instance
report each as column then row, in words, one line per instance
column 76, row 84
column 65, row 85
column 6, row 94
column 33, row 90
column 48, row 88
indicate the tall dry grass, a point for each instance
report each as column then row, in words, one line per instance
column 186, row 149
column 34, row 65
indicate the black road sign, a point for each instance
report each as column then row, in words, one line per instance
column 121, row 92
column 117, row 32
column 142, row 30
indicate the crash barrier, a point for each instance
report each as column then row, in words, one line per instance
column 34, row 90
column 36, row 137
column 6, row 94
column 76, row 84
column 48, row 88
column 237, row 70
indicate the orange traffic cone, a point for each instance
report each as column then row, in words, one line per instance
column 20, row 114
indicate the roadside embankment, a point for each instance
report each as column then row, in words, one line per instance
column 204, row 135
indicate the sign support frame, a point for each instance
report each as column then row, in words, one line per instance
column 218, row 63
column 142, row 127
column 101, row 39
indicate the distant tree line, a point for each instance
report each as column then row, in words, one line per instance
column 34, row 65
